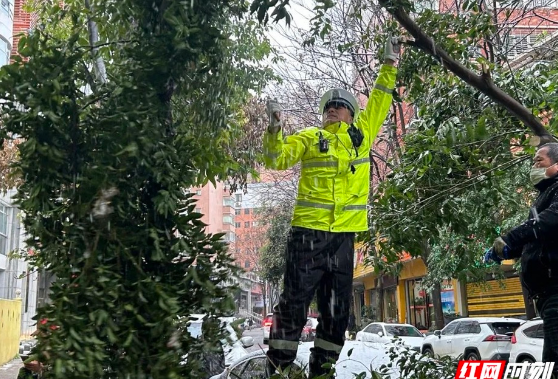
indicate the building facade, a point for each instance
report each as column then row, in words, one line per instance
column 236, row 215
column 6, row 30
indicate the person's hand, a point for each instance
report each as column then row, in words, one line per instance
column 392, row 49
column 34, row 366
column 273, row 110
column 501, row 248
column 490, row 255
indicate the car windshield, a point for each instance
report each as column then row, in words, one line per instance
column 402, row 331
column 504, row 327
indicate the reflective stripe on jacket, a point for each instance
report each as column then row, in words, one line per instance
column 331, row 196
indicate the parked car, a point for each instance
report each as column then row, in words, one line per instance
column 233, row 347
column 309, row 330
column 356, row 357
column 267, row 323
column 383, row 333
column 475, row 338
column 527, row 342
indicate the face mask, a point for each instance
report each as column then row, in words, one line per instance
column 537, row 175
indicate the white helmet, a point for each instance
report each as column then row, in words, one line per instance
column 342, row 96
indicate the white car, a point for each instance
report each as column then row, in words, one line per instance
column 384, row 333
column 267, row 323
column 356, row 357
column 527, row 342
column 475, row 338
column 233, row 348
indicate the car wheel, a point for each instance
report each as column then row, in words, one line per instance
column 527, row 360
column 472, row 356
column 428, row 352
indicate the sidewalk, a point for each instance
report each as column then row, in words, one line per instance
column 10, row 369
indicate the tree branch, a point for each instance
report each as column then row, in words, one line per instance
column 482, row 82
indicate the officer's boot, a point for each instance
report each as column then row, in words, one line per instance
column 319, row 357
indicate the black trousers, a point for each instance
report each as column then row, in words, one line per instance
column 547, row 306
column 318, row 263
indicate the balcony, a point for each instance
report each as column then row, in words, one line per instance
column 228, row 205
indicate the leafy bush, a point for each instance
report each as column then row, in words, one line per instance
column 414, row 365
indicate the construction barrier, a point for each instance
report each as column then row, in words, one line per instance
column 10, row 326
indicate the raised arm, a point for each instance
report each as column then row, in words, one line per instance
column 281, row 153
column 371, row 119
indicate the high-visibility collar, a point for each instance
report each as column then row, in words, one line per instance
column 337, row 127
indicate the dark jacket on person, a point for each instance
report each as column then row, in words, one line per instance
column 536, row 241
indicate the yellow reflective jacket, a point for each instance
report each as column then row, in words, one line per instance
column 334, row 186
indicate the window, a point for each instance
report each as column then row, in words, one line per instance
column 402, row 331
column 531, row 331
column 238, row 197
column 6, row 7
column 254, row 369
column 450, row 328
column 247, row 264
column 237, row 224
column 237, row 371
column 228, row 202
column 539, row 3
column 228, row 219
column 374, row 328
column 3, row 230
column 504, row 327
column 468, row 327
column 237, row 211
column 422, row 5
column 229, row 237
column 540, row 332
column 198, row 192
column 475, row 328
column 247, row 211
column 246, row 224
column 515, row 45
column 4, row 52
column 254, row 223
column 198, row 210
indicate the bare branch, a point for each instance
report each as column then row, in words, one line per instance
column 481, row 82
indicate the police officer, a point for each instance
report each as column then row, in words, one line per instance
column 331, row 206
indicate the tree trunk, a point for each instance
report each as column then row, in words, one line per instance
column 380, row 297
column 99, row 64
column 264, row 295
column 436, row 292
column 437, row 303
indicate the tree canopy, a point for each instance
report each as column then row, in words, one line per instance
column 121, row 108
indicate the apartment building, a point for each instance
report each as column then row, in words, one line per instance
column 236, row 215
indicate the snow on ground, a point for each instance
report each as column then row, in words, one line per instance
column 363, row 357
